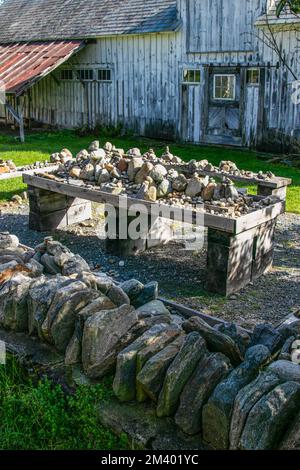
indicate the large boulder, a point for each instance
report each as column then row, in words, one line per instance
column 156, row 307
column 103, row 337
column 216, row 340
column 118, row 296
column 40, row 296
column 125, row 379
column 268, row 336
column 210, row 371
column 291, row 440
column 179, row 372
column 74, row 264
column 245, row 401
column 132, row 288
column 166, row 337
column 217, row 412
column 13, row 303
column 270, row 417
column 286, row 370
column 152, row 375
column 58, row 326
column 195, row 186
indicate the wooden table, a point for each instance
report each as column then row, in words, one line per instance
column 239, row 249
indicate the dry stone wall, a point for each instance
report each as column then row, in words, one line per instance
column 222, row 386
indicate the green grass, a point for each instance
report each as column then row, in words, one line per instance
column 39, row 416
column 38, row 147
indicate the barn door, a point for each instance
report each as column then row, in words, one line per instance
column 223, row 113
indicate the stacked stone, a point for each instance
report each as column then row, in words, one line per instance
column 227, row 387
column 7, row 166
column 148, row 177
column 219, row 383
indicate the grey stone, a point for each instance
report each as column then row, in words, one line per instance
column 239, row 336
column 118, row 296
column 74, row 265
column 245, row 401
column 210, row 371
column 164, row 188
column 291, row 439
column 102, row 339
column 180, row 183
column 158, row 173
column 143, row 173
column 179, row 372
column 8, row 241
column 125, row 379
column 132, row 288
column 40, row 296
column 149, row 293
column 134, row 166
column 217, row 412
column 63, row 325
column 73, row 351
column 286, row 350
column 35, row 267
column 152, row 375
column 55, row 248
column 13, row 303
column 286, row 370
column 159, row 343
column 58, row 326
column 270, row 417
column 142, row 427
column 216, row 341
column 156, row 307
column 49, row 264
column 268, row 336
column 195, row 186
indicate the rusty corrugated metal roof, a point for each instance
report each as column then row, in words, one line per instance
column 23, row 64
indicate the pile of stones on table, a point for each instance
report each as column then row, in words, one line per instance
column 151, row 178
column 232, row 388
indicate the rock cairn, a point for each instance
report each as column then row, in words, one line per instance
column 232, row 388
column 167, row 179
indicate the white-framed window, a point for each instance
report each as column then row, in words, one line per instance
column 191, row 76
column 253, row 76
column 85, row 75
column 66, row 74
column 104, row 75
column 224, row 87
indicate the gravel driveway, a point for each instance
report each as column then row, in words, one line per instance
column 181, row 274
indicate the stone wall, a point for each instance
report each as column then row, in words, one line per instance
column 218, row 387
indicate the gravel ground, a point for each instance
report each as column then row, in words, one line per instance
column 181, row 273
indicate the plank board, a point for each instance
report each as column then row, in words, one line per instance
column 217, row 222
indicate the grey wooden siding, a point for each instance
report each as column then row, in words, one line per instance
column 147, row 95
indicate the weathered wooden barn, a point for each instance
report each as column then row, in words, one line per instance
column 196, row 70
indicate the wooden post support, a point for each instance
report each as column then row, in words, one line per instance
column 119, row 241
column 267, row 191
column 235, row 260
column 50, row 211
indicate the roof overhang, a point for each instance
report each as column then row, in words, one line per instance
column 22, row 65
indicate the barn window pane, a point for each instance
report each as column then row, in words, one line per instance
column 224, row 87
column 66, row 74
column 104, row 75
column 191, row 76
column 85, row 74
column 253, row 77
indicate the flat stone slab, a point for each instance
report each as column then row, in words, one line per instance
column 144, row 430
